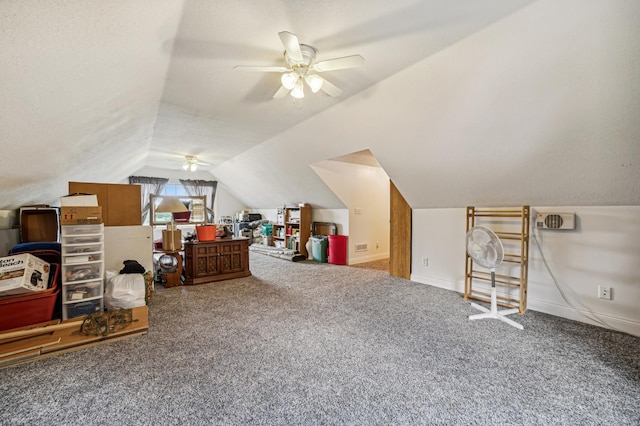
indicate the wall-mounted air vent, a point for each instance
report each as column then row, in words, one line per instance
column 361, row 247
column 556, row 221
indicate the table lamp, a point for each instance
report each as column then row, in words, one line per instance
column 171, row 205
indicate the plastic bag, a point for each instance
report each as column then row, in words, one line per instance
column 125, row 291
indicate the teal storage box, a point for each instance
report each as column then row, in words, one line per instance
column 267, row 229
column 319, row 245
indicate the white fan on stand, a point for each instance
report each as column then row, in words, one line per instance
column 485, row 248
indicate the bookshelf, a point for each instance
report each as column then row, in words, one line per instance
column 292, row 228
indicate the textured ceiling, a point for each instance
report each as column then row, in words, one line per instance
column 211, row 110
column 450, row 90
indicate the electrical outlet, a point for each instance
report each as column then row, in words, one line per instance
column 604, row 292
column 425, row 261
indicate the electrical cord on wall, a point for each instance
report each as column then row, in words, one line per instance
column 584, row 310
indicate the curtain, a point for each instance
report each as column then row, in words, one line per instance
column 149, row 185
column 202, row 187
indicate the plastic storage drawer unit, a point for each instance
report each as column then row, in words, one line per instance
column 82, row 270
column 80, row 309
column 81, row 291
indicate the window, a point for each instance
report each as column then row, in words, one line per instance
column 174, row 190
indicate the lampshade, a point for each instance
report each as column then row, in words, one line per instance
column 314, row 81
column 171, row 205
column 298, row 90
column 289, row 80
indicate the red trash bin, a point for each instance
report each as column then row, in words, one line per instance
column 338, row 249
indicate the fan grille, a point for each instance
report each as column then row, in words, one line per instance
column 553, row 221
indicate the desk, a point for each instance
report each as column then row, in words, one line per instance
column 221, row 259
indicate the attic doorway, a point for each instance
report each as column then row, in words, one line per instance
column 363, row 186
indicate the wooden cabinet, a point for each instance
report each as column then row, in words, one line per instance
column 293, row 228
column 121, row 203
column 222, row 259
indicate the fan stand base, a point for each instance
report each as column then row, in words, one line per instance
column 494, row 312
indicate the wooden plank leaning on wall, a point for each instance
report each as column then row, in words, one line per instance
column 400, row 235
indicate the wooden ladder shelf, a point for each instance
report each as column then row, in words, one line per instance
column 511, row 225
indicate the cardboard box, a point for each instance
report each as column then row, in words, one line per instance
column 23, row 273
column 80, row 215
column 38, row 224
column 78, row 200
column 177, row 240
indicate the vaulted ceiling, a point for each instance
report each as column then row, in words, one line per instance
column 460, row 101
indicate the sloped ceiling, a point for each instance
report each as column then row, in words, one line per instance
column 81, row 84
column 450, row 91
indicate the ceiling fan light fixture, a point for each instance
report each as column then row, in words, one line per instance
column 289, row 80
column 314, row 81
column 301, row 65
column 191, row 164
column 298, row 90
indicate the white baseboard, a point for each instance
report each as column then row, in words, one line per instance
column 562, row 311
column 594, row 318
column 448, row 285
column 370, row 258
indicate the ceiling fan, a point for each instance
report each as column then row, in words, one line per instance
column 302, row 68
column 191, row 163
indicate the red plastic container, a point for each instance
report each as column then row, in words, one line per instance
column 26, row 309
column 338, row 249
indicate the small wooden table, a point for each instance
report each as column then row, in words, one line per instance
column 174, row 278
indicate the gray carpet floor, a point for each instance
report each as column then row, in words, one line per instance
column 318, row 344
column 380, row 265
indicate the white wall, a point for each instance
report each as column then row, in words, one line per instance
column 225, row 204
column 338, row 216
column 602, row 250
column 538, row 107
column 80, row 93
column 364, row 190
column 9, row 232
column 8, row 239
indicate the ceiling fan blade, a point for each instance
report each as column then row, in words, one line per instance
column 261, row 69
column 291, row 45
column 330, row 89
column 281, row 93
column 345, row 62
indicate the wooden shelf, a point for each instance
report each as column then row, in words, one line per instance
column 511, row 225
column 296, row 231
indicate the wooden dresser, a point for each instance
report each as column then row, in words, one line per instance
column 222, row 259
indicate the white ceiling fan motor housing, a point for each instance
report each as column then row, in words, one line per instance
column 308, row 56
